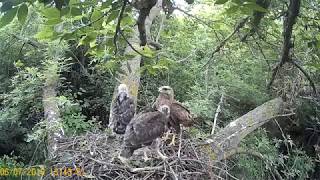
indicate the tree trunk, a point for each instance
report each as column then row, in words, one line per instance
column 51, row 110
column 130, row 68
column 226, row 141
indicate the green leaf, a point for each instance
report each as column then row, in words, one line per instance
column 53, row 21
column 88, row 39
column 65, row 11
column 75, row 11
column 46, row 33
column 8, row 17
column 51, row 13
column 73, row 2
column 232, row 10
column 112, row 16
column 127, row 20
column 220, row 1
column 97, row 18
column 254, row 6
column 147, row 52
column 22, row 13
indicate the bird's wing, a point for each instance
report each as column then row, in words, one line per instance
column 179, row 114
column 148, row 126
column 180, row 106
column 128, row 111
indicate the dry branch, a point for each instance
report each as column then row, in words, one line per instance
column 228, row 138
column 96, row 154
column 217, row 114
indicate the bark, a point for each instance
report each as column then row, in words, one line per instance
column 130, row 69
column 226, row 141
column 288, row 23
column 51, row 110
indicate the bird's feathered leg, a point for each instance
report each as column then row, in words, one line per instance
column 158, row 143
column 145, row 155
column 178, row 129
column 124, row 160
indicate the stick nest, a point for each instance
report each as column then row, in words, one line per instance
column 96, row 154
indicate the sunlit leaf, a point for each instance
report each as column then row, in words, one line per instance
column 51, row 13
column 22, row 13
column 112, row 16
column 146, row 51
column 53, row 21
column 97, row 18
column 46, row 33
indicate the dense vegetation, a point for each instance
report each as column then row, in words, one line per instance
column 209, row 50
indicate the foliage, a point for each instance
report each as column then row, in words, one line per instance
column 74, row 122
column 11, row 162
column 294, row 165
column 21, row 108
column 72, row 42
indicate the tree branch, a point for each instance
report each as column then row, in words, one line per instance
column 293, row 12
column 115, row 38
column 306, row 75
column 217, row 48
column 131, row 46
column 228, row 138
column 217, row 114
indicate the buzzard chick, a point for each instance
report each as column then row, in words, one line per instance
column 143, row 130
column 179, row 114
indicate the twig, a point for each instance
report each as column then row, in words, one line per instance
column 264, row 56
column 33, row 43
column 306, row 75
column 131, row 46
column 180, row 142
column 148, row 168
column 217, row 48
column 217, row 114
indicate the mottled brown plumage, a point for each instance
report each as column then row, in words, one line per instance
column 143, row 129
column 179, row 114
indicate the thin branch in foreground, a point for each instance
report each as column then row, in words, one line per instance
column 131, row 46
column 199, row 20
column 293, row 12
column 217, row 114
column 33, row 43
column 306, row 75
column 115, row 37
column 222, row 43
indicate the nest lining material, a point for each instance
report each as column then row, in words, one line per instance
column 96, row 154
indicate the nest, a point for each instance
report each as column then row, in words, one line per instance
column 96, row 155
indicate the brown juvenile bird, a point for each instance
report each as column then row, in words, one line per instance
column 143, row 129
column 179, row 114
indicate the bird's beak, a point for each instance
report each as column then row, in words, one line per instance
column 159, row 89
